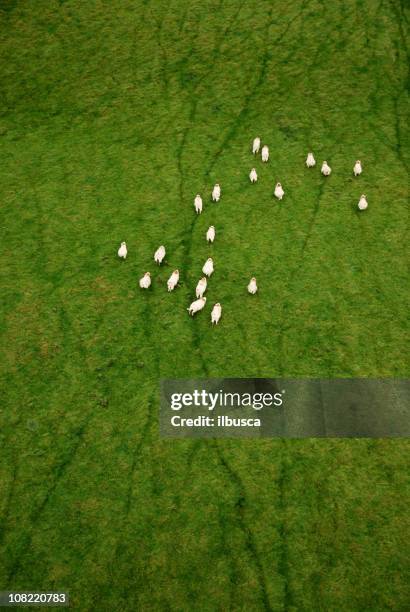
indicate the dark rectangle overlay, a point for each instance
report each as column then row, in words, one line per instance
column 18, row 599
column 285, row 408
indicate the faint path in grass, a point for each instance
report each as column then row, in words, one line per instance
column 136, row 454
column 234, row 578
column 229, row 555
column 22, row 549
column 283, row 564
column 242, row 523
column 281, row 326
column 163, row 53
column 379, row 81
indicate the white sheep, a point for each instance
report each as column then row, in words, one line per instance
column 216, row 314
column 145, row 281
column 326, row 169
column 173, row 280
column 122, row 251
column 256, row 145
column 208, row 267
column 159, row 254
column 253, row 177
column 357, row 168
column 265, row 153
column 252, row 287
column 198, row 204
column 216, row 193
column 310, row 161
column 201, row 287
column 362, row 205
column 196, row 306
column 210, row 234
column 279, row 193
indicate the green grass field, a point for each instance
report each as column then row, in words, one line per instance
column 113, row 116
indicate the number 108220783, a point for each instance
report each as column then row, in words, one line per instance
column 11, row 598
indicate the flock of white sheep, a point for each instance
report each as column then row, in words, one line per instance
column 208, row 267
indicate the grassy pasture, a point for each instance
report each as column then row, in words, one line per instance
column 113, row 115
